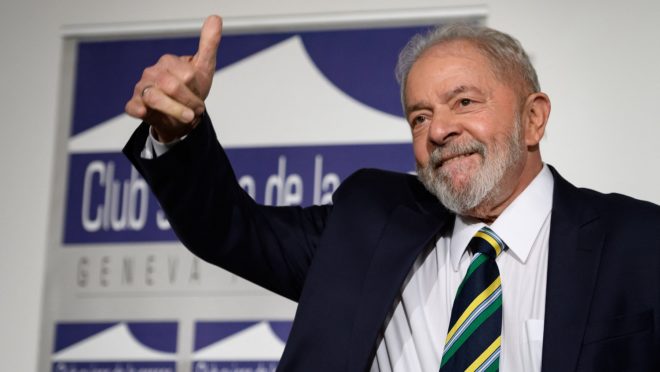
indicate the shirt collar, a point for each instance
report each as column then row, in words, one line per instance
column 518, row 225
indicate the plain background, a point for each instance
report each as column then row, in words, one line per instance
column 596, row 59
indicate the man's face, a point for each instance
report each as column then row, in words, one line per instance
column 467, row 131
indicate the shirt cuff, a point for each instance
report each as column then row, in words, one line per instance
column 154, row 148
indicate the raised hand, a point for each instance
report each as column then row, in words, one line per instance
column 170, row 94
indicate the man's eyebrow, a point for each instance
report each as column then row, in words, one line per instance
column 421, row 105
column 446, row 97
column 460, row 90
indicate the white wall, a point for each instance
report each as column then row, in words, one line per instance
column 597, row 61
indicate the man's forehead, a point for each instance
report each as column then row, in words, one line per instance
column 455, row 72
column 453, row 57
column 470, row 69
column 458, row 47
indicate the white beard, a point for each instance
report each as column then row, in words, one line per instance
column 485, row 184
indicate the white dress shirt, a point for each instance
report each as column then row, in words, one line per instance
column 415, row 335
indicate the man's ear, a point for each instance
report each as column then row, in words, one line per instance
column 535, row 117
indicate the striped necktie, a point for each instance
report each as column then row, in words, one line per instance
column 475, row 327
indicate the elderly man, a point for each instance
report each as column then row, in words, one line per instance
column 492, row 261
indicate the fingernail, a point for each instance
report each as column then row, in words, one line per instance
column 188, row 115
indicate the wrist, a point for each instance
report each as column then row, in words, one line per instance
column 167, row 134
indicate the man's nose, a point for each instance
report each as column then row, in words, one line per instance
column 443, row 128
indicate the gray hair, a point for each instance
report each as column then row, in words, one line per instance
column 509, row 61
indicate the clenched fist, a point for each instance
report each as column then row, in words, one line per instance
column 170, row 94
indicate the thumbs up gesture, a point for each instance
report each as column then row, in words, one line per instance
column 170, row 94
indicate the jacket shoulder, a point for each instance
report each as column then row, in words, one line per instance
column 621, row 206
column 615, row 208
column 621, row 215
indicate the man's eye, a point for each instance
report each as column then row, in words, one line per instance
column 418, row 120
column 465, row 102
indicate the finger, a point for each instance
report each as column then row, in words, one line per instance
column 142, row 86
column 178, row 82
column 182, row 68
column 135, row 108
column 209, row 39
column 156, row 100
column 182, row 91
column 174, row 64
column 178, row 66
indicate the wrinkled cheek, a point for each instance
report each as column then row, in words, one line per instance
column 421, row 157
column 420, row 149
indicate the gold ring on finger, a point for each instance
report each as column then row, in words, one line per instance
column 144, row 91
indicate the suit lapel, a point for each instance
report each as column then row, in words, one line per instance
column 576, row 239
column 409, row 230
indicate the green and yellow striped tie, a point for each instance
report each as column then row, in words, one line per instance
column 475, row 327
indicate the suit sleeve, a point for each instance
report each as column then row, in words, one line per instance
column 217, row 221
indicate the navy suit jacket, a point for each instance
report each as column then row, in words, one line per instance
column 345, row 264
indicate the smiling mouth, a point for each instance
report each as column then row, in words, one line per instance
column 454, row 157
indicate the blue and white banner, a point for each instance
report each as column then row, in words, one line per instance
column 296, row 112
column 245, row 346
column 115, row 347
column 108, row 201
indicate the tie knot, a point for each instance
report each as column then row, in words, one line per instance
column 485, row 241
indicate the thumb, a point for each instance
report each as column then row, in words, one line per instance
column 209, row 39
